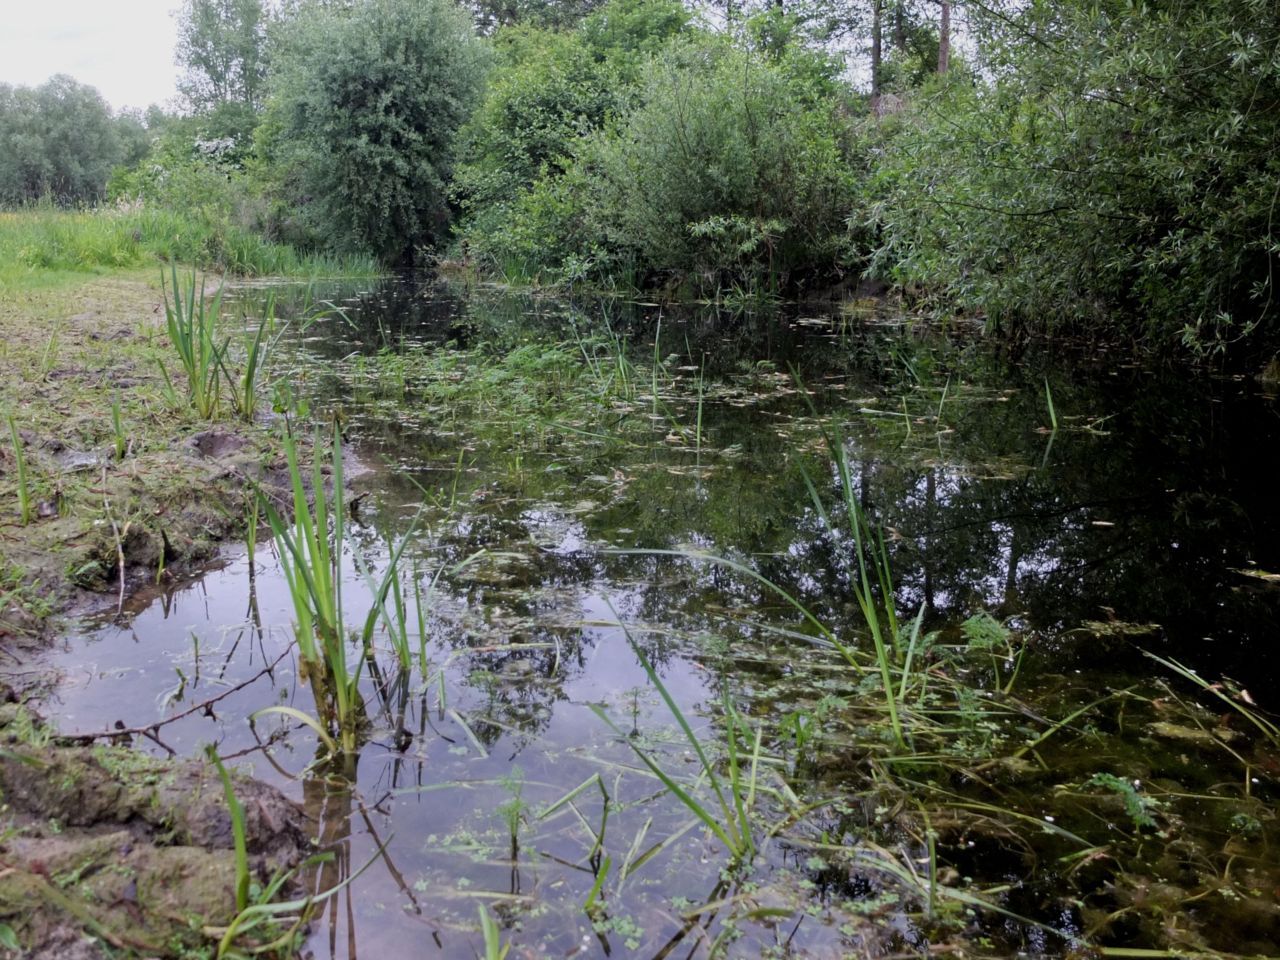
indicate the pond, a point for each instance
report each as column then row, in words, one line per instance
column 637, row 708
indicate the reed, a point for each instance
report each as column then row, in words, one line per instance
column 1048, row 399
column 310, row 553
column 192, row 324
column 872, row 582
column 494, row 948
column 117, row 427
column 237, row 829
column 244, row 388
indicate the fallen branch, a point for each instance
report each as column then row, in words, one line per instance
column 150, row 730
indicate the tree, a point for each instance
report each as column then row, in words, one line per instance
column 367, row 103
column 944, row 37
column 1113, row 167
column 222, row 51
column 57, row 141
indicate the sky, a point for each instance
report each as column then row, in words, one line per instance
column 122, row 47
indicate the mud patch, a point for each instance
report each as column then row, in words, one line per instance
column 108, row 848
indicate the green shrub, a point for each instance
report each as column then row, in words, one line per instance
column 368, row 100
column 728, row 172
column 516, row 183
column 1117, row 172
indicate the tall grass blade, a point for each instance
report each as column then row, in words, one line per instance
column 20, row 471
column 237, row 830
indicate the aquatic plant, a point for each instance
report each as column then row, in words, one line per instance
column 244, row 389
column 256, row 906
column 1048, row 399
column 192, row 324
column 872, row 584
column 310, row 554
column 310, row 549
column 494, row 948
column 988, row 636
column 730, row 816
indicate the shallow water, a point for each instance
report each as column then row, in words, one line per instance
column 1145, row 522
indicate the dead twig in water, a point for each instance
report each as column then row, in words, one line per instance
column 151, row 729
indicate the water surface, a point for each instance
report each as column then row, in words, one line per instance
column 537, row 452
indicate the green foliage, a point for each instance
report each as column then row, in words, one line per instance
column 192, row 324
column 727, row 171
column 236, row 809
column 1137, row 808
column 1118, row 167
column 516, row 182
column 718, row 165
column 222, row 49
column 546, row 93
column 628, row 33
column 368, row 99
column 60, row 142
column 310, row 552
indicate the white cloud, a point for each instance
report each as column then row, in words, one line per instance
column 122, row 47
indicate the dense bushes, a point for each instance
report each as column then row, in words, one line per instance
column 1118, row 174
column 715, row 164
column 727, row 172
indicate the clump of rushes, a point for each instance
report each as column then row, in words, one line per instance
column 20, row 473
column 192, row 325
column 244, row 388
column 310, row 550
column 872, row 576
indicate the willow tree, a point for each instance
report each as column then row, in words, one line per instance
column 368, row 99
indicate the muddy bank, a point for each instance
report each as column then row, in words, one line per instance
column 107, row 850
column 125, row 485
column 109, row 482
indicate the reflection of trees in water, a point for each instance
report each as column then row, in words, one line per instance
column 987, row 515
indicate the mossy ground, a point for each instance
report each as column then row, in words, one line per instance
column 107, row 852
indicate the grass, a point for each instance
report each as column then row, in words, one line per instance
column 43, row 245
column 117, row 427
column 494, row 948
column 730, row 816
column 23, row 477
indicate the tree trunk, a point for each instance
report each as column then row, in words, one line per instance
column 899, row 29
column 875, row 48
column 944, row 38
